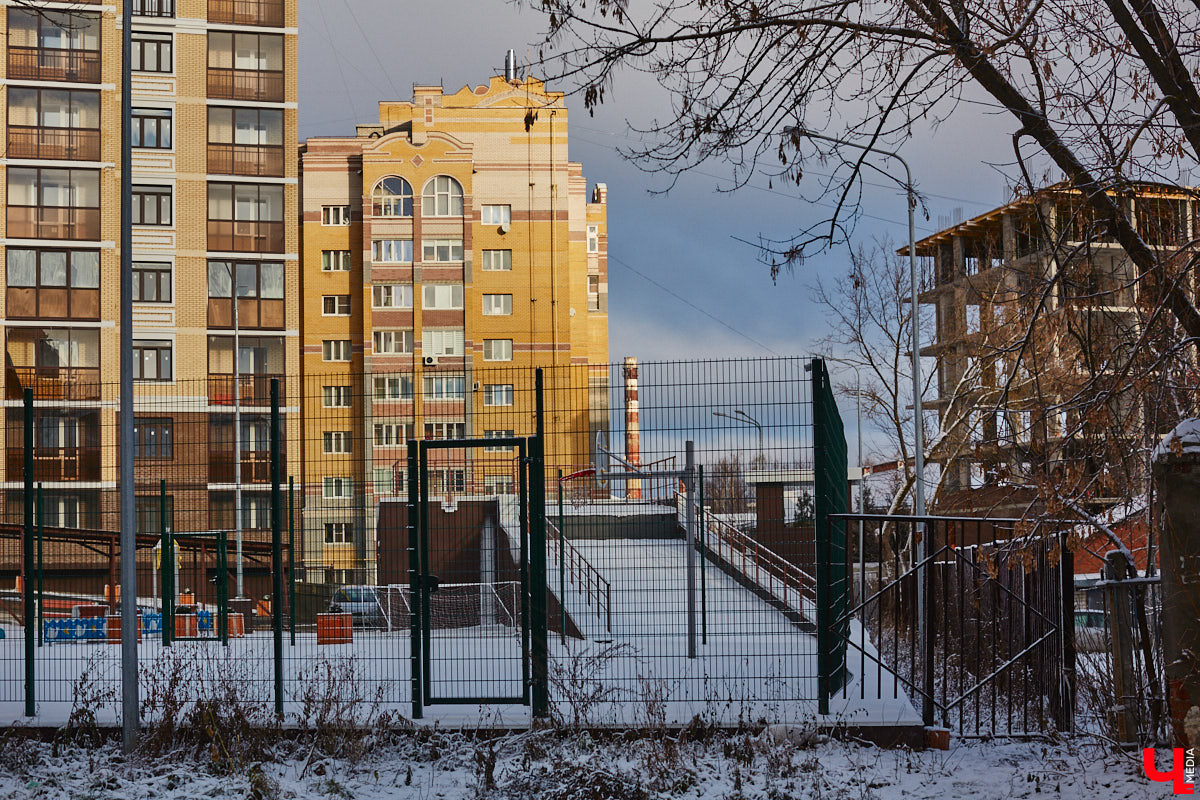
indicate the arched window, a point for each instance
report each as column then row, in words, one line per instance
column 393, row 197
column 442, row 197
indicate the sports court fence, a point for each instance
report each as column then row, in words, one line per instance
column 615, row 535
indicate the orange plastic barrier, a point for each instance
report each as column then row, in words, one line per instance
column 236, row 626
column 334, row 629
column 112, row 625
column 187, row 625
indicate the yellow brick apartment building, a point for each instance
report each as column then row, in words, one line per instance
column 215, row 185
column 447, row 250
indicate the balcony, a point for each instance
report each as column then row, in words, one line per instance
column 153, row 8
column 57, row 222
column 246, row 159
column 232, row 236
column 52, row 302
column 54, row 64
column 246, row 12
column 253, row 390
column 54, row 383
column 252, row 314
column 57, row 143
column 245, row 84
column 256, row 466
column 56, row 464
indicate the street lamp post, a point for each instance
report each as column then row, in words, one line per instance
column 742, row 416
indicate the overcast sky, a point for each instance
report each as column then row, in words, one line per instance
column 718, row 300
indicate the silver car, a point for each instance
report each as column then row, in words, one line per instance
column 361, row 602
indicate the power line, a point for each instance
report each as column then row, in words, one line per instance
column 690, row 304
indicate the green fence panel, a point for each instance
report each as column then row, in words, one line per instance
column 831, row 496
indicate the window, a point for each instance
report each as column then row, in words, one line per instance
column 339, row 532
column 498, row 434
column 497, row 349
column 154, row 8
column 497, row 260
column 441, row 250
column 337, row 488
column 393, row 197
column 496, row 215
column 151, row 282
column 392, row 295
column 53, row 203
column 442, row 197
column 443, row 343
column 442, row 296
column 335, row 396
column 444, row 387
column 151, row 205
column 335, row 305
column 336, row 442
column 259, row 293
column 498, row 394
column 335, row 350
column 152, row 361
column 53, row 45
column 153, row 438
column 445, row 430
column 245, row 217
column 392, row 251
column 152, row 52
column 497, row 305
column 245, row 66
column 593, row 293
column 593, row 238
column 152, row 128
column 62, row 284
column 335, row 215
column 399, row 387
column 449, row 480
column 335, row 261
column 498, row 484
column 392, row 342
column 148, row 514
column 391, row 434
column 245, row 141
column 387, row 480
column 53, row 123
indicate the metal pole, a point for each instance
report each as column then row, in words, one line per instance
column 276, row 546
column 689, row 483
column 27, row 558
column 41, row 595
column 703, row 558
column 223, row 587
column 562, row 567
column 129, row 654
column 168, row 568
column 539, row 644
column 291, row 560
column 414, row 583
column 237, row 431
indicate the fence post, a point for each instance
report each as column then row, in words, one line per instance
column 1120, row 621
column 539, row 645
column 1066, row 626
column 414, row 583
column 291, row 561
column 168, row 568
column 689, row 516
column 27, row 567
column 562, row 567
column 928, row 709
column 703, row 594
column 276, row 546
column 41, row 594
column 223, row 587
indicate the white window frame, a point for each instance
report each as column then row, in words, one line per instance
column 497, row 305
column 444, row 342
column 335, row 216
column 337, row 442
column 593, row 238
column 392, row 251
column 498, row 434
column 336, row 350
column 385, row 295
column 496, row 214
column 339, row 533
column 337, row 396
column 444, row 386
column 505, row 349
column 442, row 430
column 498, row 394
column 382, row 386
column 335, row 305
column 442, row 196
column 391, row 434
column 336, row 260
column 496, row 261
column 442, row 296
column 441, row 251
column 385, row 477
column 392, row 342
column 337, row 487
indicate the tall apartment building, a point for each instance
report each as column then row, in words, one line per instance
column 1033, row 301
column 214, row 129
column 449, row 241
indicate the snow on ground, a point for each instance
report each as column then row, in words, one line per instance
column 549, row 766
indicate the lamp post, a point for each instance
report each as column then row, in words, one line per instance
column 742, row 416
column 918, row 432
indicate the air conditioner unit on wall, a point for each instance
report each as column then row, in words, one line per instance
column 431, row 361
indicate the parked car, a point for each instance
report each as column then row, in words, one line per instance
column 361, row 602
column 1091, row 630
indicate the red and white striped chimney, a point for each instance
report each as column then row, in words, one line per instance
column 633, row 446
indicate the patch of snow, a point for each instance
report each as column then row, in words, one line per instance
column 1184, row 438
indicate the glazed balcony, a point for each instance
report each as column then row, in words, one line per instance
column 54, row 64
column 267, row 13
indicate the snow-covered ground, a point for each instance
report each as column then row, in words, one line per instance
column 533, row 766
